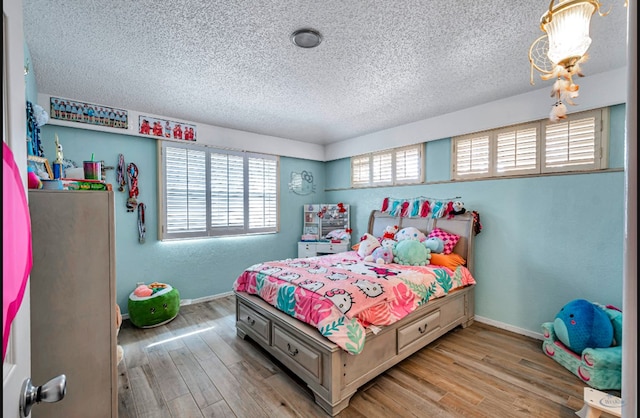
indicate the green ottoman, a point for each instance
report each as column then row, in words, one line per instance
column 153, row 305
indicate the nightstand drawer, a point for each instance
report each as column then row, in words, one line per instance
column 300, row 356
column 419, row 329
column 255, row 324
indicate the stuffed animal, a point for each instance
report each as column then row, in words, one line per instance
column 381, row 255
column 411, row 253
column 368, row 243
column 120, row 351
column 581, row 324
column 558, row 111
column 390, row 232
column 435, row 244
column 458, row 208
column 410, row 233
column 158, row 308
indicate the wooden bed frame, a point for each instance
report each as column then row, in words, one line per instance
column 332, row 374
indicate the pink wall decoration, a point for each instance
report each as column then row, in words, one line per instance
column 16, row 243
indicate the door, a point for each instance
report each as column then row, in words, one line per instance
column 17, row 364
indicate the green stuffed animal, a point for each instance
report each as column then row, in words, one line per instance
column 153, row 305
column 411, row 253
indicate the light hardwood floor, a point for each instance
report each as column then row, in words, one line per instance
column 196, row 366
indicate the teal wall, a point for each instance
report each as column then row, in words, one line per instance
column 545, row 240
column 197, row 268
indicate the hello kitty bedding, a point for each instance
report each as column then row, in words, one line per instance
column 341, row 295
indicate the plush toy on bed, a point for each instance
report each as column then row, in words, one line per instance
column 390, row 232
column 411, row 253
column 458, row 208
column 410, row 233
column 435, row 244
column 381, row 255
column 581, row 324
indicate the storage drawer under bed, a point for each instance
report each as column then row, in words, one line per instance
column 303, row 358
column 254, row 323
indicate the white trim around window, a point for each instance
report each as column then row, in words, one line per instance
column 387, row 168
column 208, row 192
column 577, row 143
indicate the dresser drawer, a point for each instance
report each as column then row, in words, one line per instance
column 419, row 329
column 256, row 325
column 302, row 358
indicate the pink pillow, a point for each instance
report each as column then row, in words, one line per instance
column 450, row 240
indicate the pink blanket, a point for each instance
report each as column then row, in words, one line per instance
column 341, row 295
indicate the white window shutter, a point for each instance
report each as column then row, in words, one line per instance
column 471, row 156
column 186, row 185
column 517, row 150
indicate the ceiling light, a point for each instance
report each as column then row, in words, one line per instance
column 306, row 38
column 559, row 53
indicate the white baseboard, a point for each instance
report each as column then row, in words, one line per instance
column 184, row 302
column 497, row 324
column 511, row 328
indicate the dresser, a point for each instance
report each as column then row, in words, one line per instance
column 73, row 296
column 312, row 249
column 319, row 220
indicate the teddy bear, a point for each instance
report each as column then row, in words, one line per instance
column 119, row 348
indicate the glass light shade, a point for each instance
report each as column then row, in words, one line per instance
column 568, row 31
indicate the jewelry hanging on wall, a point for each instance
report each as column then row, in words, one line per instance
column 120, row 173
column 132, row 182
column 142, row 230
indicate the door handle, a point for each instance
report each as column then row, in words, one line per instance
column 52, row 391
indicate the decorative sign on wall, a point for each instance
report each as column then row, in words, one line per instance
column 163, row 128
column 74, row 111
column 302, row 183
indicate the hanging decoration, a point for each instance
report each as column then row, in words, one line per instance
column 142, row 229
column 34, row 145
column 302, row 183
column 421, row 206
column 120, row 173
column 132, row 182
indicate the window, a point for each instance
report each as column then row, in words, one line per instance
column 387, row 168
column 577, row 143
column 212, row 192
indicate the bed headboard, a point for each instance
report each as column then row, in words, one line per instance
column 460, row 225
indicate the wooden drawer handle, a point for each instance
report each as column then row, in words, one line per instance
column 422, row 330
column 251, row 321
column 291, row 353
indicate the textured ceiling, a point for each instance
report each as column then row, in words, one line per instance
column 231, row 63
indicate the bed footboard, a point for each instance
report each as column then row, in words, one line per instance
column 333, row 374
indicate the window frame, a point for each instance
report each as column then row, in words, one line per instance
column 600, row 141
column 210, row 231
column 366, row 163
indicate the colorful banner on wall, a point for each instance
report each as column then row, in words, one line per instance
column 93, row 114
column 168, row 129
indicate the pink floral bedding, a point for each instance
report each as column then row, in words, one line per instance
column 341, row 295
